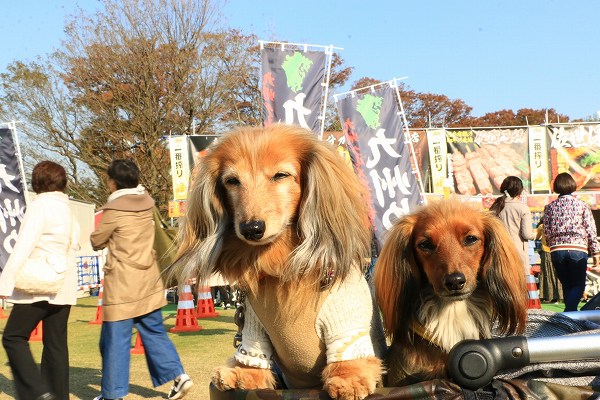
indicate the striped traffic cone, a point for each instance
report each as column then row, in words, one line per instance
column 186, row 314
column 532, row 291
column 139, row 346
column 206, row 305
column 98, row 319
column 36, row 335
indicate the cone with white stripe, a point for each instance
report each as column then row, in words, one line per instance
column 186, row 313
column 206, row 305
column 532, row 291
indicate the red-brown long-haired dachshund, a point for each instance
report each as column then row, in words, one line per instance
column 446, row 272
column 279, row 212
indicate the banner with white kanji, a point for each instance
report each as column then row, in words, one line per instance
column 376, row 136
column 292, row 86
column 12, row 195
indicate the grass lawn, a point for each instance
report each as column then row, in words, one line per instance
column 199, row 351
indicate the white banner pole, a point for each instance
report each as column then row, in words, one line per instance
column 394, row 85
column 13, row 128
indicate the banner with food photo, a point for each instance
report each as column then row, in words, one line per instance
column 480, row 159
column 377, row 136
column 293, row 85
column 576, row 149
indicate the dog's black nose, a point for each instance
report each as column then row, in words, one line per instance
column 253, row 230
column 455, row 281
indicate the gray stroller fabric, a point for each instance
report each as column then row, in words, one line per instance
column 548, row 324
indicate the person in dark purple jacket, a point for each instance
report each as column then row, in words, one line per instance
column 571, row 234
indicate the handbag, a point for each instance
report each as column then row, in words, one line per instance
column 43, row 275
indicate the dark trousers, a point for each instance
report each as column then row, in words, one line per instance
column 223, row 294
column 571, row 270
column 53, row 374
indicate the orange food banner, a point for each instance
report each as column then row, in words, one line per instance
column 576, row 149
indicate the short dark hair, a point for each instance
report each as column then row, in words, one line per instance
column 564, row 184
column 48, row 176
column 125, row 174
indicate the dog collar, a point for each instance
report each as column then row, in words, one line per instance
column 420, row 330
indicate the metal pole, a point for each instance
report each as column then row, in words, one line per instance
column 409, row 139
column 329, row 52
column 13, row 128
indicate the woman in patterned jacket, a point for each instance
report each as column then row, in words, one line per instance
column 571, row 234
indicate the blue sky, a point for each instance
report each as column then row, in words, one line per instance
column 494, row 55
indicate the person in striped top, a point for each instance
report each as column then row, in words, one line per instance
column 571, row 234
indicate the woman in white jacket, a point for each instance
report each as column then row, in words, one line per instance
column 46, row 230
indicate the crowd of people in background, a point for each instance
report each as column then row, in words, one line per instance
column 568, row 238
column 133, row 289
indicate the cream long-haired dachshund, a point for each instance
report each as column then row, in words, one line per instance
column 447, row 272
column 279, row 212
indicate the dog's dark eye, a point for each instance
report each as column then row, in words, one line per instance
column 280, row 175
column 232, row 181
column 426, row 245
column 470, row 239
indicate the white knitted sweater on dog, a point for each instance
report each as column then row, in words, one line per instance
column 343, row 323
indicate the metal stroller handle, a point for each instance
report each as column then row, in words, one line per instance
column 474, row 363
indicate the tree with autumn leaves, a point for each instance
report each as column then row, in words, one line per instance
column 138, row 71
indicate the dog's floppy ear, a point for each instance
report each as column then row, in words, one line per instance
column 201, row 232
column 504, row 277
column 397, row 279
column 333, row 220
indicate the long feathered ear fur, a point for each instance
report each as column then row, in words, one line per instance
column 203, row 228
column 504, row 278
column 333, row 220
column 397, row 280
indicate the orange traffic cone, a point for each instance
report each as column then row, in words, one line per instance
column 186, row 315
column 139, row 346
column 206, row 305
column 98, row 319
column 36, row 335
column 534, row 294
column 2, row 315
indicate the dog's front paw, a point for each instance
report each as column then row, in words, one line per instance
column 348, row 388
column 353, row 379
column 226, row 378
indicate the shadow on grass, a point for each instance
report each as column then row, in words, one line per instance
column 84, row 383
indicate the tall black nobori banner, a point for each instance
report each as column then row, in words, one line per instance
column 375, row 134
column 12, row 195
column 292, row 87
